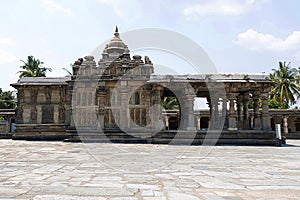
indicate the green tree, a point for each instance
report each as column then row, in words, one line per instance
column 274, row 104
column 170, row 103
column 33, row 68
column 286, row 89
column 69, row 73
column 7, row 100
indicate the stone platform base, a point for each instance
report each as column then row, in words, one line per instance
column 181, row 137
column 292, row 135
column 40, row 132
column 5, row 135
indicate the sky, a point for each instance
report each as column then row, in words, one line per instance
column 239, row 36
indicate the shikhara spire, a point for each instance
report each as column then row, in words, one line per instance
column 115, row 48
column 116, row 32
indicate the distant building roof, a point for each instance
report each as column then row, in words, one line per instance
column 222, row 77
column 42, row 81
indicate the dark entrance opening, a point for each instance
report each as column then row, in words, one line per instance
column 170, row 105
column 204, row 121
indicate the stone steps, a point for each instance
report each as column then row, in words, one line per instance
column 180, row 137
column 5, row 135
column 292, row 135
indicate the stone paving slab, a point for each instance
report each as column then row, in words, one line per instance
column 57, row 170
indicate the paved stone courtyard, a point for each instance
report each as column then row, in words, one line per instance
column 57, row 170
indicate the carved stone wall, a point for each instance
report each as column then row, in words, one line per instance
column 42, row 104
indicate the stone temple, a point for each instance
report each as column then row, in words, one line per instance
column 118, row 99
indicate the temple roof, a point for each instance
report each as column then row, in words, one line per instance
column 115, row 47
column 42, row 81
column 220, row 77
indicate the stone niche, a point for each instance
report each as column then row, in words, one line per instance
column 55, row 96
column 47, row 114
column 41, row 97
column 27, row 96
column 26, row 114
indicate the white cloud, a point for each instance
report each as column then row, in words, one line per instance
column 218, row 7
column 53, row 6
column 123, row 9
column 251, row 39
column 117, row 5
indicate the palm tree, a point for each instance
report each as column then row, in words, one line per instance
column 33, row 68
column 69, row 73
column 170, row 103
column 286, row 89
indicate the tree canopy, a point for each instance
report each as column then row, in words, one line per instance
column 33, row 68
column 7, row 100
column 286, row 90
column 170, row 103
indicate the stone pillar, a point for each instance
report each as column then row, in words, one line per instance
column 285, row 124
column 252, row 122
column 214, row 119
column 292, row 125
column 210, row 111
column 246, row 111
column 188, row 112
column 147, row 102
column 33, row 112
column 257, row 120
column 56, row 114
column 198, row 122
column 224, row 112
column 231, row 115
column 19, row 109
column 265, row 117
column 68, row 115
column 76, row 109
column 124, row 107
column 240, row 111
column 277, row 119
column 67, row 107
column 39, row 114
column 167, row 122
column 71, row 104
column 157, row 120
column 101, row 109
column 72, row 122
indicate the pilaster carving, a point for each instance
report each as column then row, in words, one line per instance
column 256, row 120
column 232, row 114
column 246, row 111
column 285, row 124
column 265, row 119
column 214, row 120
